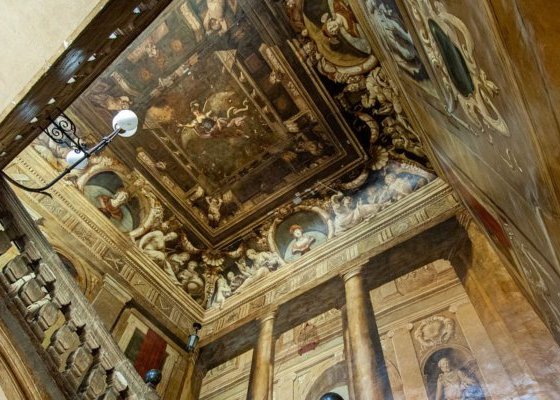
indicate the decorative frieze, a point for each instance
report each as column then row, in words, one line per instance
column 431, row 205
column 112, row 251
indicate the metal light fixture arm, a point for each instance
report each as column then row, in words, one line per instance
column 126, row 128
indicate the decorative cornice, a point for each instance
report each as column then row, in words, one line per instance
column 77, row 217
column 417, row 212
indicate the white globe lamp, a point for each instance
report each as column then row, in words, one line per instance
column 74, row 156
column 126, row 120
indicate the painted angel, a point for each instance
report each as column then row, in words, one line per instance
column 216, row 119
column 345, row 215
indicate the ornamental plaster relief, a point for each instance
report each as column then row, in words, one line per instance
column 434, row 22
column 417, row 212
column 434, row 331
column 432, row 205
column 114, row 254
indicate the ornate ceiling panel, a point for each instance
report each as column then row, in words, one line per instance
column 228, row 129
column 266, row 129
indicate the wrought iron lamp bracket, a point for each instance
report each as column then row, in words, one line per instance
column 62, row 130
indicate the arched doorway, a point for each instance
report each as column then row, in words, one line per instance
column 333, row 380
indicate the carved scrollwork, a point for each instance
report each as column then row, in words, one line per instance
column 434, row 331
column 437, row 26
column 377, row 112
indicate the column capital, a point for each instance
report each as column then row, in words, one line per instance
column 269, row 315
column 352, row 272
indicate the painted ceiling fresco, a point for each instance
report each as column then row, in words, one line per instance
column 227, row 129
column 265, row 131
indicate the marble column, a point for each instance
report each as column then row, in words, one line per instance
column 110, row 301
column 368, row 367
column 347, row 351
column 262, row 368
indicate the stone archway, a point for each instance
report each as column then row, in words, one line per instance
column 333, row 377
column 75, row 269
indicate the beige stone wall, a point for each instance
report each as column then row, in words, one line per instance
column 33, row 35
column 420, row 316
column 523, row 343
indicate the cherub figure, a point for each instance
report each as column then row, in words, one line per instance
column 235, row 281
column 214, row 213
column 264, row 259
column 251, row 274
column 223, row 291
column 340, row 24
column 214, row 20
column 191, row 281
column 178, row 261
column 341, row 18
column 153, row 244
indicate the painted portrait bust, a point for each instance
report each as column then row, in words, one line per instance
column 453, row 383
column 301, row 243
column 452, row 374
column 107, row 193
column 300, row 233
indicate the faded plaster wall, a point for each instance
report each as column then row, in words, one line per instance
column 33, row 33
